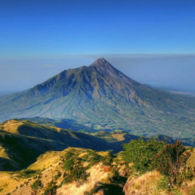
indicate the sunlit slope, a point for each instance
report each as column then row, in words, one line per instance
column 22, row 141
column 51, row 173
column 79, row 171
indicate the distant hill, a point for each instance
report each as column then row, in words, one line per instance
column 62, row 123
column 21, row 142
column 101, row 97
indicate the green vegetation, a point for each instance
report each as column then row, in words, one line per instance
column 171, row 162
column 142, row 153
column 51, row 188
column 19, row 150
column 78, row 173
column 68, row 164
column 23, row 141
column 74, row 169
column 148, row 166
column 74, row 165
column 163, row 183
column 92, row 157
column 37, row 184
column 27, row 173
column 169, row 159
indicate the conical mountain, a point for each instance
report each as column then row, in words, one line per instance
column 102, row 97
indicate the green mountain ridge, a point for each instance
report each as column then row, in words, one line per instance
column 101, row 97
column 21, row 142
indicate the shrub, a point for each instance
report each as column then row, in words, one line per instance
column 51, row 189
column 141, row 153
column 77, row 174
column 171, row 162
column 107, row 160
column 69, row 154
column 94, row 158
column 74, row 169
column 28, row 173
column 163, row 183
column 36, row 185
column 68, row 164
column 57, row 175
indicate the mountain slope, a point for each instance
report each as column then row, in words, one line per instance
column 21, row 142
column 50, row 174
column 101, row 97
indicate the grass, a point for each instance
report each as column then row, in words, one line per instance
column 145, row 183
column 3, row 152
column 163, row 183
column 191, row 160
column 28, row 140
column 46, row 160
column 119, row 136
column 37, row 184
column 8, row 182
column 11, row 126
column 76, row 170
column 50, row 189
column 73, row 165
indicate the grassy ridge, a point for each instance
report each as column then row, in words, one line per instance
column 23, row 141
column 82, row 171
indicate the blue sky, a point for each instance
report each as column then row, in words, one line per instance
column 58, row 27
column 39, row 34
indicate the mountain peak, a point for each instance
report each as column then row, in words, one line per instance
column 101, row 62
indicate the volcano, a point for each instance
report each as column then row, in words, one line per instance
column 101, row 97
